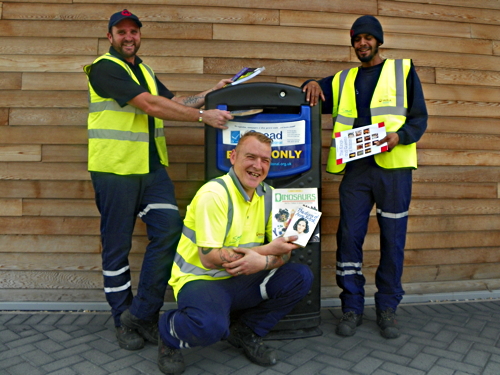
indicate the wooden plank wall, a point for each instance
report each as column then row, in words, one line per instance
column 49, row 226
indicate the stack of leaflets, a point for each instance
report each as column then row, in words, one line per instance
column 245, row 74
column 360, row 142
column 286, row 203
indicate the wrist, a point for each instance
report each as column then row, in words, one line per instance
column 200, row 118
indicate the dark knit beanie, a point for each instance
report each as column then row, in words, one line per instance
column 367, row 25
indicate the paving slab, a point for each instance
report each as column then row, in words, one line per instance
column 437, row 338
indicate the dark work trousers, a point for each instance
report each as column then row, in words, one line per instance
column 120, row 199
column 364, row 185
column 260, row 300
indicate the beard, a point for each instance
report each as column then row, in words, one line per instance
column 369, row 57
column 124, row 51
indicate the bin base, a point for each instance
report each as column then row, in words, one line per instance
column 291, row 334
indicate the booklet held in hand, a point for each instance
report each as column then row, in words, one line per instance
column 245, row 74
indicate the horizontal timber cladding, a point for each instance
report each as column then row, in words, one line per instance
column 49, row 225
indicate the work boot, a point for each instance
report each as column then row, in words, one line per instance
column 129, row 339
column 348, row 323
column 148, row 330
column 387, row 323
column 170, row 360
column 242, row 336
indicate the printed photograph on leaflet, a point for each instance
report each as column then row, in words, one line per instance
column 359, row 143
column 285, row 204
column 303, row 225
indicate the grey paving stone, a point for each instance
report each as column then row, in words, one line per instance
column 410, row 349
column 428, row 343
column 35, row 319
column 459, row 366
column 269, row 371
column 390, row 357
column 282, row 367
column 49, row 346
column 490, row 332
column 460, row 346
column 86, row 368
column 311, row 367
column 83, row 319
column 96, row 357
column 438, row 339
column 367, row 365
column 330, row 371
column 423, row 361
column 7, row 336
column 128, row 371
column 357, row 354
column 6, row 317
column 63, row 371
column 492, row 368
column 438, row 370
column 75, row 350
column 62, row 363
column 217, row 368
column 11, row 362
column 37, row 358
column 51, row 319
column 81, row 339
column 122, row 363
column 445, row 335
column 398, row 369
column 382, row 372
column 495, row 358
column 477, row 339
column 334, row 361
column 59, row 336
column 15, row 352
column 19, row 319
column 487, row 348
column 444, row 353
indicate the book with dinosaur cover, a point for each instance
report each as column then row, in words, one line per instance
column 285, row 204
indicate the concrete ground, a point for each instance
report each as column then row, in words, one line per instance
column 437, row 339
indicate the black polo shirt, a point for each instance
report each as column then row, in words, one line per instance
column 110, row 80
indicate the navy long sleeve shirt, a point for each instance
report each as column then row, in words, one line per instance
column 366, row 81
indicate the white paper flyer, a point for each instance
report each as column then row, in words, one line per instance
column 360, row 142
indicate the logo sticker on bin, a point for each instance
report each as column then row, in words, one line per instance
column 291, row 147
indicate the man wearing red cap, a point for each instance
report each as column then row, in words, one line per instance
column 127, row 159
column 386, row 91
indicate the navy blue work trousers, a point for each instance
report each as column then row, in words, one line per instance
column 120, row 200
column 259, row 301
column 364, row 185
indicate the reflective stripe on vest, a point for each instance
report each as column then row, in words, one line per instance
column 188, row 268
column 119, row 136
column 388, row 105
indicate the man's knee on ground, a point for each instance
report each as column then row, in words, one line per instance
column 203, row 332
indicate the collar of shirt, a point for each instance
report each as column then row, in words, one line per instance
column 113, row 52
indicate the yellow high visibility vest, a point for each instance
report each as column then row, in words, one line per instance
column 250, row 227
column 119, row 137
column 389, row 105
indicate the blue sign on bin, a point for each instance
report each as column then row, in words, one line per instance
column 291, row 135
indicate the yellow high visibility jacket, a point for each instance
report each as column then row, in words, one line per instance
column 389, row 105
column 220, row 215
column 119, row 137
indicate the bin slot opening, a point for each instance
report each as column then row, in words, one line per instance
column 294, row 110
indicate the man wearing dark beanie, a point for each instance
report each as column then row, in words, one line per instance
column 380, row 90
